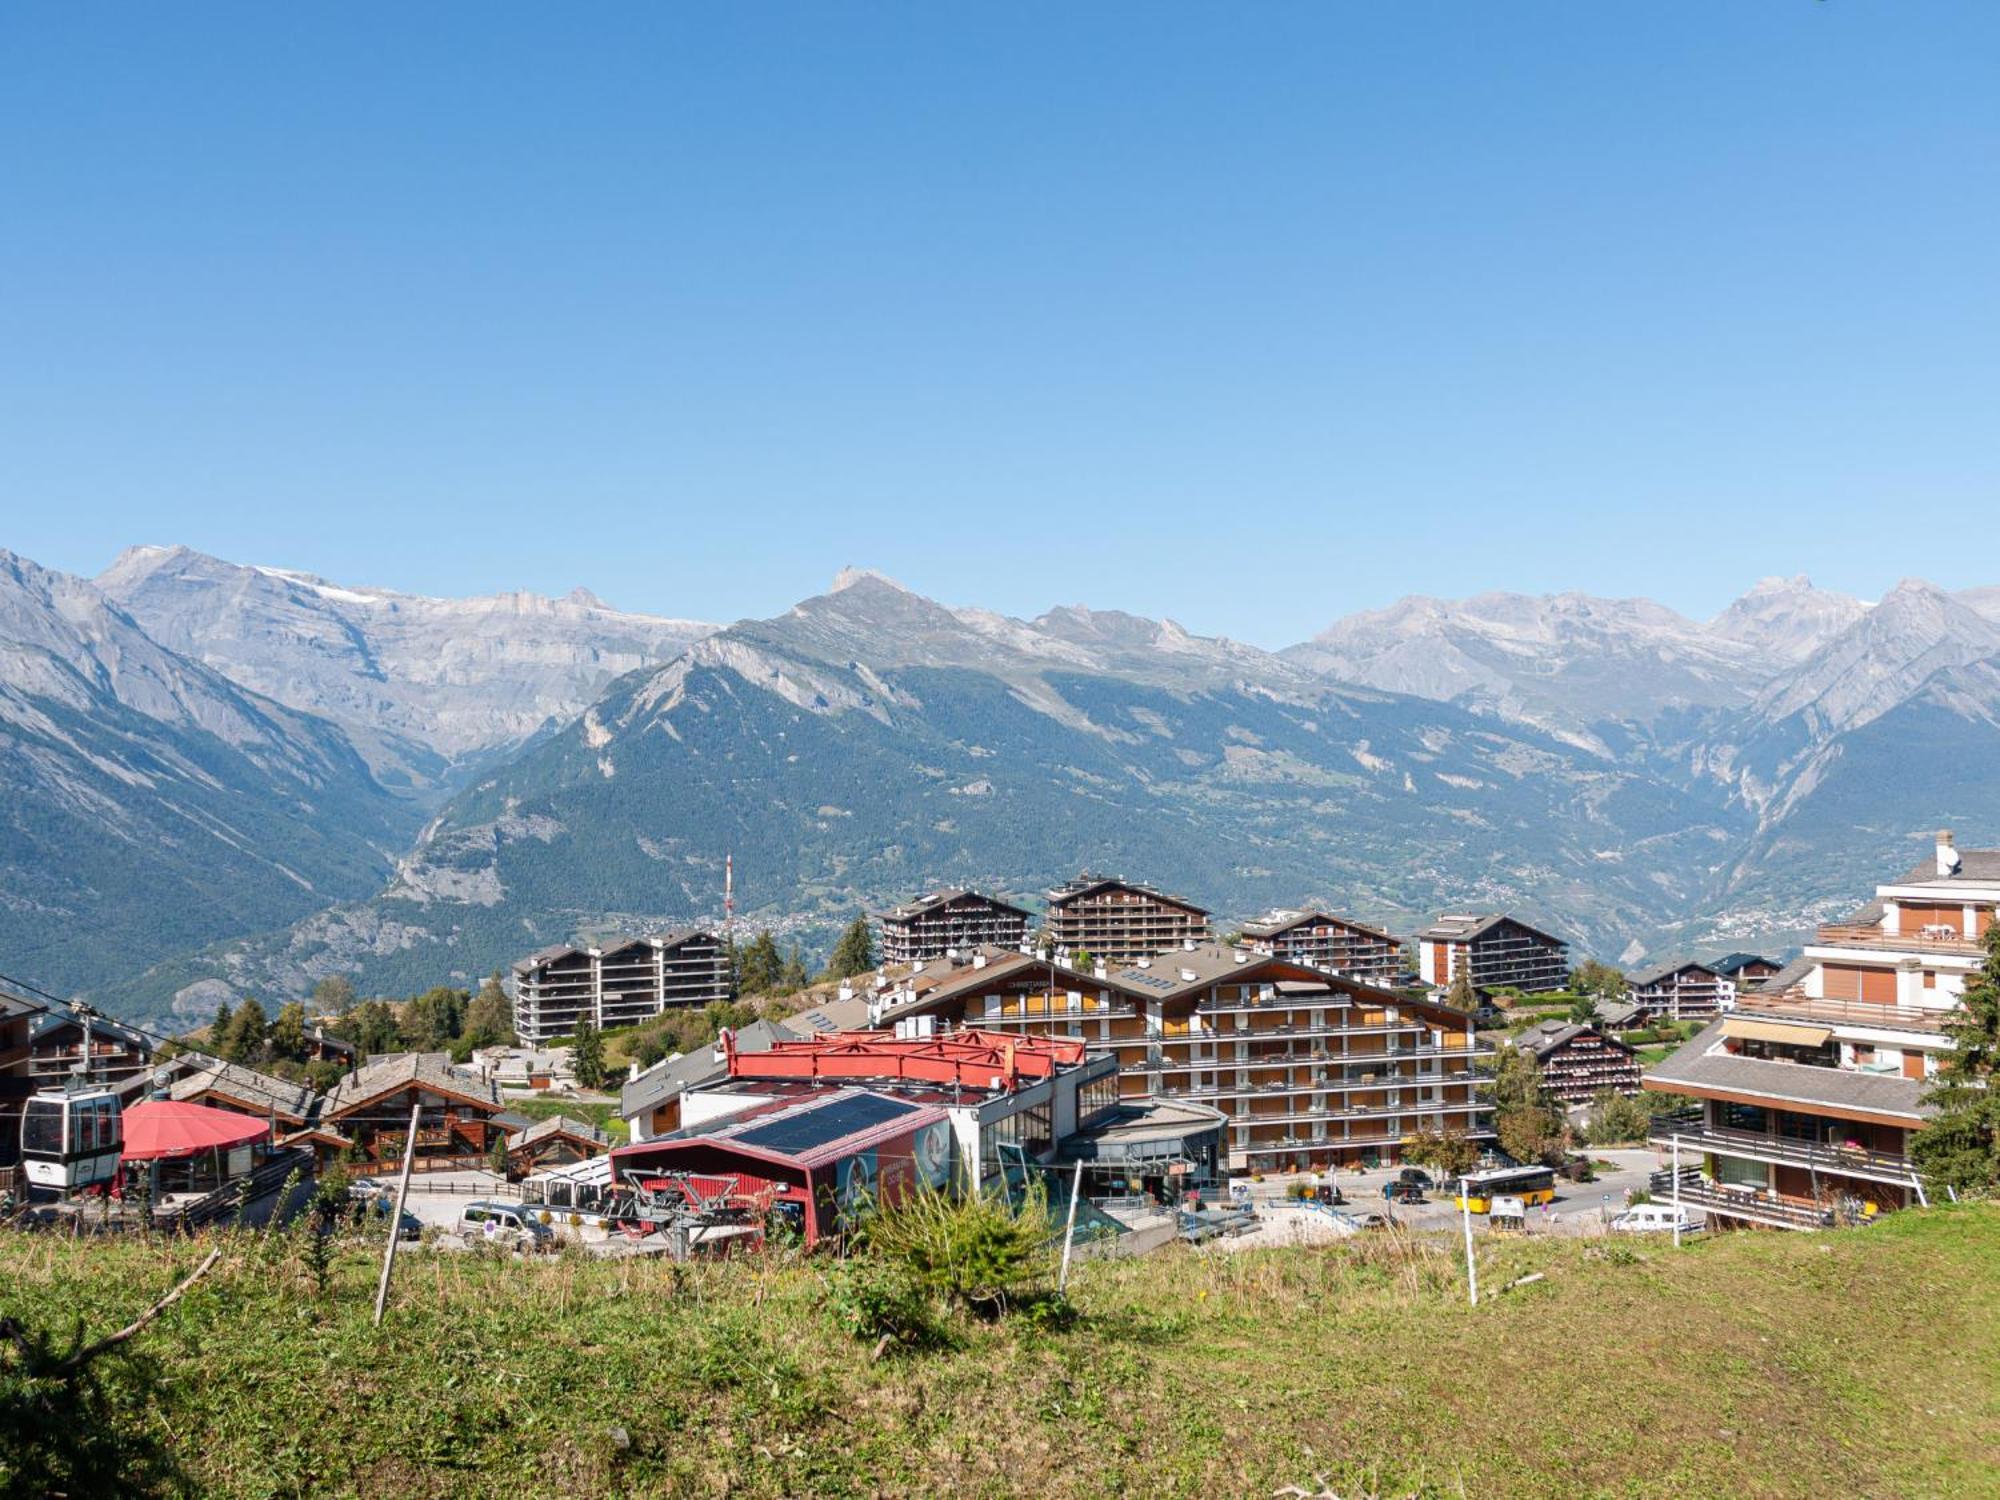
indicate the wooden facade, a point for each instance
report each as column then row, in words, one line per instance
column 1338, row 944
column 1313, row 1070
column 1120, row 921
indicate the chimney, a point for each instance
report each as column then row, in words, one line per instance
column 979, row 960
column 1947, row 854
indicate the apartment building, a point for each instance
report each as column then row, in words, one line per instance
column 1679, row 992
column 1810, row 1088
column 618, row 983
column 949, row 921
column 1340, row 944
column 1496, row 951
column 1579, row 1060
column 1312, row 1070
column 1746, row 970
column 1120, row 920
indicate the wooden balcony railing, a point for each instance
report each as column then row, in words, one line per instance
column 1867, row 935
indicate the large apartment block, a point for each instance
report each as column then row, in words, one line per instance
column 1679, row 992
column 1311, row 1069
column 1119, row 920
column 949, row 921
column 1497, row 952
column 619, row 983
column 1340, row 944
column 1810, row 1087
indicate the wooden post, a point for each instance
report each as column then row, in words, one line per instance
column 396, row 1218
column 1069, row 1227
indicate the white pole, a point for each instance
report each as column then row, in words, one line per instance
column 1069, row 1228
column 1471, row 1266
column 1677, row 1190
column 396, row 1219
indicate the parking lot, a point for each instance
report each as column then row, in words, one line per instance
column 1578, row 1207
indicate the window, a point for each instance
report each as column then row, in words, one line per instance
column 1798, row 1127
column 1095, row 1097
column 1749, row 1117
column 1733, row 1173
column 1032, row 1129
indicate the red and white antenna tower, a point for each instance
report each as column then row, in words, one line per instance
column 728, row 894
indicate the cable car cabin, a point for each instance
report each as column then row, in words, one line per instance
column 71, row 1138
column 1529, row 1185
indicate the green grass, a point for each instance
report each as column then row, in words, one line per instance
column 1859, row 1363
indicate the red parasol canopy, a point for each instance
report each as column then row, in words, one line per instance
column 163, row 1129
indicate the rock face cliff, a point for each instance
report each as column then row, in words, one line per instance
column 422, row 685
column 148, row 804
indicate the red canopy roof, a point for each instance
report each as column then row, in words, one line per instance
column 163, row 1128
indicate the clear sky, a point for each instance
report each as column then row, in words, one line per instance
column 1248, row 315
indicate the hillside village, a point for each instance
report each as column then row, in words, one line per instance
column 1113, row 1040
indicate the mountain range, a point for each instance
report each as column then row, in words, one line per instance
column 226, row 778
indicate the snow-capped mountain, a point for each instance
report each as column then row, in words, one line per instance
column 420, row 683
column 148, row 804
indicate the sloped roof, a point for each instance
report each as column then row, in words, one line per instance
column 1464, row 927
column 1646, row 978
column 410, row 1069
column 1730, row 965
column 936, row 899
column 1697, row 1065
column 1274, row 922
column 246, row 1086
column 554, row 1126
column 1546, row 1036
column 674, row 1076
column 1085, row 885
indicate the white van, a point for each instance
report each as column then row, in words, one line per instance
column 507, row 1223
column 1656, row 1218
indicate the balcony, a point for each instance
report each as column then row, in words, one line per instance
column 1866, row 935
column 1694, row 1135
column 1739, row 1203
column 1796, row 1005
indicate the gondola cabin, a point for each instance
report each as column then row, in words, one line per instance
column 71, row 1138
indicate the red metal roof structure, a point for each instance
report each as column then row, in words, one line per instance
column 988, row 1060
column 166, row 1130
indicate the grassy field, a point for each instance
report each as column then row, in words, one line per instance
column 1863, row 1363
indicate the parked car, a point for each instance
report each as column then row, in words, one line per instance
column 1656, row 1218
column 1406, row 1192
column 1488, row 1015
column 1419, row 1176
column 506, row 1224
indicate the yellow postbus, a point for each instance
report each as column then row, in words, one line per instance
column 1531, row 1185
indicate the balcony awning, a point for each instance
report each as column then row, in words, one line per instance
column 1775, row 1031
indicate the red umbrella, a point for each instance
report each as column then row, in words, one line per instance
column 161, row 1129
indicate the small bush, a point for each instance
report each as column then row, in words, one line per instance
column 974, row 1253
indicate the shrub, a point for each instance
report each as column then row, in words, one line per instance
column 974, row 1254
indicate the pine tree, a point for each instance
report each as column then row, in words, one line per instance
column 1461, row 995
column 855, row 952
column 1960, row 1148
column 243, row 1040
column 587, row 1060
column 759, row 966
column 792, row 975
column 219, row 1027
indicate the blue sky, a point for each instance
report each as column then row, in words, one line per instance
column 1250, row 316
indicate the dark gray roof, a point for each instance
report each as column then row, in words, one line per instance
column 1083, row 885
column 1137, row 1123
column 1546, row 1036
column 430, row 1070
column 669, row 1079
column 1462, row 927
column 1793, row 973
column 850, row 1014
column 1646, row 978
column 555, row 1125
column 1274, row 922
column 1700, row 1064
column 1735, row 963
column 1975, row 867
column 202, row 1074
column 1618, row 1013
column 936, row 899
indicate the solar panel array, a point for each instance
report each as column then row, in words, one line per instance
column 810, row 1129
